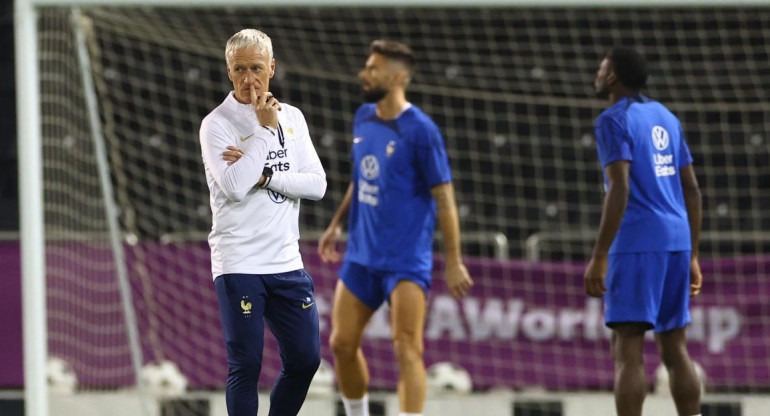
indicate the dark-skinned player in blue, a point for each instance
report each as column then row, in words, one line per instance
column 645, row 261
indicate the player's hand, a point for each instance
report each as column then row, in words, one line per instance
column 265, row 107
column 594, row 276
column 696, row 278
column 232, row 154
column 458, row 280
column 327, row 245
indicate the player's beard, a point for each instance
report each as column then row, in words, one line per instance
column 602, row 90
column 374, row 94
column 603, row 93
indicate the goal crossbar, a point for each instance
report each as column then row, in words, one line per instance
column 399, row 3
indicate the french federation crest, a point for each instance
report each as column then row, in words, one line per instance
column 390, row 148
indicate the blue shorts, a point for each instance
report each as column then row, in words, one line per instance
column 372, row 286
column 653, row 288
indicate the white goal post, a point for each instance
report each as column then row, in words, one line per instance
column 29, row 116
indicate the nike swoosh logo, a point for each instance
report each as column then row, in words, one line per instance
column 243, row 139
column 305, row 306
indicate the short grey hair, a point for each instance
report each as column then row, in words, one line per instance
column 249, row 38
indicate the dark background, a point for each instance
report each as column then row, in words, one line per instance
column 9, row 201
column 714, row 80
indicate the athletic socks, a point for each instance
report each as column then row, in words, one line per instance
column 360, row 407
column 356, row 407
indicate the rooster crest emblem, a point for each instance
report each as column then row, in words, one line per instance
column 246, row 306
column 390, row 148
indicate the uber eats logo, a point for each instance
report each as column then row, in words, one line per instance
column 276, row 161
column 368, row 193
column 664, row 163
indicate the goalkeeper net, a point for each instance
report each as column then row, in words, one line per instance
column 512, row 91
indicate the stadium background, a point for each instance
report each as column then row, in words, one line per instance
column 512, row 91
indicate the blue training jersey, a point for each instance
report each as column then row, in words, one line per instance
column 392, row 212
column 646, row 134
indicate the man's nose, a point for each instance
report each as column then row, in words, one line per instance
column 249, row 78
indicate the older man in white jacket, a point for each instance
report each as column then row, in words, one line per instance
column 260, row 162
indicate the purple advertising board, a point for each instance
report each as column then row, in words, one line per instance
column 524, row 324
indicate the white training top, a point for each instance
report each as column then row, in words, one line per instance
column 255, row 230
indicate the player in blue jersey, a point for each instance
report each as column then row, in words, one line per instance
column 401, row 185
column 645, row 261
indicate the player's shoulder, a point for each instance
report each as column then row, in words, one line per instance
column 419, row 128
column 221, row 114
column 416, row 119
column 645, row 106
column 415, row 114
column 291, row 112
column 659, row 107
column 616, row 113
column 217, row 118
column 365, row 111
column 651, row 112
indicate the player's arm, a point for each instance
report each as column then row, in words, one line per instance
column 692, row 201
column 612, row 214
column 235, row 179
column 457, row 277
column 309, row 180
column 327, row 245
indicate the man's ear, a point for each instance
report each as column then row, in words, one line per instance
column 401, row 77
column 229, row 73
column 272, row 67
column 611, row 78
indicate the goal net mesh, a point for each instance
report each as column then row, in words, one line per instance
column 512, row 92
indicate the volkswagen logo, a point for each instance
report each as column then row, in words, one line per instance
column 660, row 138
column 370, row 167
column 276, row 197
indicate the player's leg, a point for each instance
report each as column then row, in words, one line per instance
column 355, row 300
column 670, row 335
column 683, row 380
column 408, row 304
column 630, row 380
column 634, row 284
column 292, row 316
column 241, row 305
